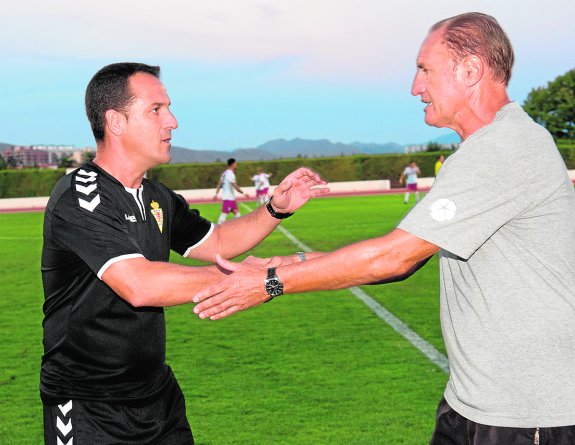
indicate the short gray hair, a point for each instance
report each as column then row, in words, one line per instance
column 474, row 33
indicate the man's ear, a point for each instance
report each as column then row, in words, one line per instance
column 115, row 122
column 472, row 69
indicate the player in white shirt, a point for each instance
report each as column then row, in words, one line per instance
column 228, row 184
column 262, row 185
column 410, row 173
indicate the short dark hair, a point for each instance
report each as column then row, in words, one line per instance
column 474, row 33
column 231, row 161
column 109, row 89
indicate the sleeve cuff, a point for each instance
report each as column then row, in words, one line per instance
column 115, row 260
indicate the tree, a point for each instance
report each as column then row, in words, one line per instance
column 88, row 155
column 434, row 146
column 3, row 163
column 554, row 106
column 11, row 161
column 65, row 162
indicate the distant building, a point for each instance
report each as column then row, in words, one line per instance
column 80, row 156
column 415, row 148
column 423, row 147
column 43, row 156
column 26, row 156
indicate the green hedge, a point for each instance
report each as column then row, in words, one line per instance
column 29, row 182
column 567, row 150
column 336, row 169
column 39, row 182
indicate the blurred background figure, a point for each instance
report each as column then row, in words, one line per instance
column 228, row 184
column 438, row 164
column 410, row 174
column 262, row 185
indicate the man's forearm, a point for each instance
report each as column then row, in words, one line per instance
column 153, row 283
column 378, row 260
column 385, row 258
column 239, row 235
column 403, row 276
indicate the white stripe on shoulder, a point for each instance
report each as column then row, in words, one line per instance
column 85, row 173
column 200, row 242
column 87, row 178
column 117, row 259
column 84, row 176
column 89, row 205
column 86, row 190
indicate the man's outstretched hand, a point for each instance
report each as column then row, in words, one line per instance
column 242, row 289
column 296, row 189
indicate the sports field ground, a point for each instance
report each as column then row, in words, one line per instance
column 316, row 368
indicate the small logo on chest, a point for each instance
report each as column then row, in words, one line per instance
column 130, row 218
column 158, row 214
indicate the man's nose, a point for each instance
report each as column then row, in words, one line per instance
column 171, row 121
column 417, row 85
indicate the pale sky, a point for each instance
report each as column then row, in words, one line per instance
column 242, row 72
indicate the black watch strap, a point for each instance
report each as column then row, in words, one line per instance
column 275, row 214
column 273, row 285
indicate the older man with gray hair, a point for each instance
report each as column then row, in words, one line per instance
column 506, row 240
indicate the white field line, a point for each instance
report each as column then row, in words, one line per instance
column 20, row 238
column 399, row 326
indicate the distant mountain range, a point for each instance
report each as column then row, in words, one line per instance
column 282, row 148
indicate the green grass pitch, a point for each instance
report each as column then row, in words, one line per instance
column 316, row 368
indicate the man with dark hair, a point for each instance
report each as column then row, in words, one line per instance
column 505, row 236
column 108, row 232
column 227, row 183
column 110, row 90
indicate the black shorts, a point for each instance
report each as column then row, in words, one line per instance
column 454, row 429
column 161, row 421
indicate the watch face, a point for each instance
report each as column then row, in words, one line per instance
column 274, row 287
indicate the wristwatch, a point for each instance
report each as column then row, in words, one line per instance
column 275, row 214
column 273, row 285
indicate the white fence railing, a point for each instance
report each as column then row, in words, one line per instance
column 198, row 195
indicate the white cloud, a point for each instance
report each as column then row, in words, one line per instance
column 241, row 71
column 335, row 39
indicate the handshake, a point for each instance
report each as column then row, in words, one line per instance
column 246, row 284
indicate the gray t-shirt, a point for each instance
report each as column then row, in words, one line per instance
column 502, row 210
